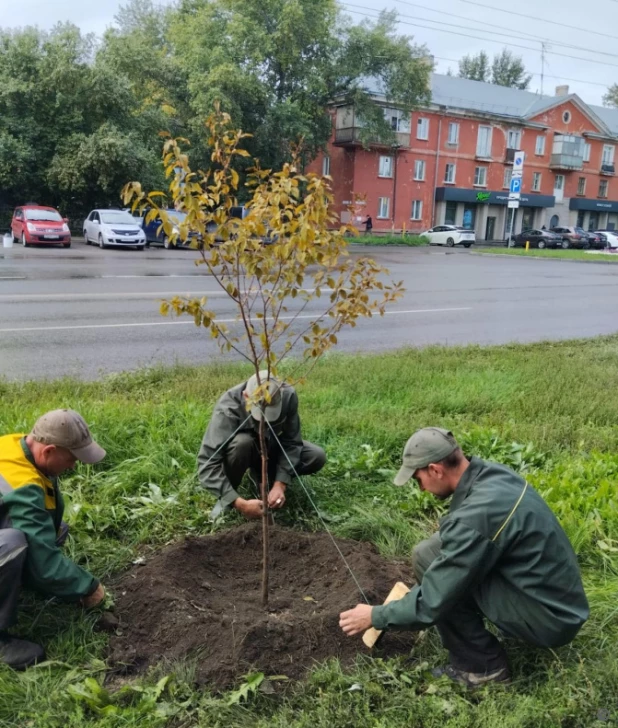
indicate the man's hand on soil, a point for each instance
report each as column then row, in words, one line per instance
column 94, row 599
column 276, row 496
column 356, row 620
column 249, row 508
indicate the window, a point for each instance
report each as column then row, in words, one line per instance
column 384, row 207
column 386, row 167
column 540, row 146
column 422, row 129
column 450, row 213
column 449, row 174
column 587, row 149
column 508, row 174
column 453, row 133
column 570, row 148
column 536, row 182
column 559, row 182
column 417, row 209
column 608, row 154
column 581, row 186
column 397, row 120
column 483, row 142
column 480, row 176
column 326, row 165
column 513, row 140
column 566, row 117
column 603, row 184
column 419, row 170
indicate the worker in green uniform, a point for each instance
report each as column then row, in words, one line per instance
column 31, row 527
column 500, row 555
column 231, row 445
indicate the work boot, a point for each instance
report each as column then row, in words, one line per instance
column 19, row 654
column 473, row 679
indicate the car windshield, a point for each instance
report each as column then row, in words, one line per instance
column 43, row 215
column 177, row 216
column 118, row 218
column 579, row 230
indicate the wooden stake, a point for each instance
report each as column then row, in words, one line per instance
column 372, row 635
column 265, row 524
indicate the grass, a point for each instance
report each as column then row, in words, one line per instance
column 549, row 410
column 536, row 253
column 412, row 241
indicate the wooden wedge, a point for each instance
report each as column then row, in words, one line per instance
column 372, row 635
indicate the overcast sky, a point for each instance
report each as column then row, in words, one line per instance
column 428, row 21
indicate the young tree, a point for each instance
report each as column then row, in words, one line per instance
column 476, row 68
column 508, row 69
column 274, row 287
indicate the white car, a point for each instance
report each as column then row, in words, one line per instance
column 450, row 235
column 114, row 228
column 612, row 237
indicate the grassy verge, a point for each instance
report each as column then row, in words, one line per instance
column 412, row 241
column 549, row 410
column 536, row 253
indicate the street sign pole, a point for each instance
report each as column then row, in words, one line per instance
column 515, row 192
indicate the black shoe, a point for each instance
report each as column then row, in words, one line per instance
column 19, row 654
column 473, row 679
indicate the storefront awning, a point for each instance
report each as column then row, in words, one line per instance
column 482, row 197
column 579, row 203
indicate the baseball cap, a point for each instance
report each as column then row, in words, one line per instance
column 429, row 445
column 272, row 410
column 67, row 428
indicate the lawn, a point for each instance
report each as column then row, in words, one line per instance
column 565, row 254
column 411, row 241
column 549, row 410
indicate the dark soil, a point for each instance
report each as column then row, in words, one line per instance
column 201, row 598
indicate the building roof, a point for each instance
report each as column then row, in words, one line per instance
column 488, row 98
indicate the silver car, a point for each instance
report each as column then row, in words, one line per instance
column 114, row 228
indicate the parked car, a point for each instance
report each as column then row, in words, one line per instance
column 537, row 239
column 450, row 235
column 612, row 238
column 114, row 228
column 39, row 225
column 598, row 240
column 572, row 237
column 155, row 234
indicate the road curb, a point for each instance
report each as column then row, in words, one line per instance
column 538, row 257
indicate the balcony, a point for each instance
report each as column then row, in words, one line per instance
column 351, row 136
column 567, row 162
column 608, row 169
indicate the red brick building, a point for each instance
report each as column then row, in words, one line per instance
column 452, row 161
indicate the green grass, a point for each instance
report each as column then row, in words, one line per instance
column 536, row 253
column 550, row 410
column 412, row 241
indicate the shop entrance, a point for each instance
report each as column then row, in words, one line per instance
column 490, row 229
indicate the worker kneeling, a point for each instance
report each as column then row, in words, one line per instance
column 500, row 554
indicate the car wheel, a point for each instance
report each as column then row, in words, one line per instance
column 101, row 242
column 67, row 245
column 167, row 243
column 140, row 247
column 24, row 242
column 586, row 246
column 467, row 245
column 541, row 244
column 450, row 242
column 564, row 244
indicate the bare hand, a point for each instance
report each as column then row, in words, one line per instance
column 276, row 496
column 249, row 508
column 94, row 599
column 356, row 620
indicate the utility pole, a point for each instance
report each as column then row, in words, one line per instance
column 542, row 66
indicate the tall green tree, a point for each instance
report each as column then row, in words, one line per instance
column 476, row 68
column 508, row 69
column 611, row 97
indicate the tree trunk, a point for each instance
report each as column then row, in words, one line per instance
column 265, row 514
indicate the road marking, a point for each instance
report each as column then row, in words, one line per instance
column 187, row 323
column 12, row 278
column 25, row 297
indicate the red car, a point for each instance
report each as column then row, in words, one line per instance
column 39, row 225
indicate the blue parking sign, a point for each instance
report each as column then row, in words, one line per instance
column 515, row 185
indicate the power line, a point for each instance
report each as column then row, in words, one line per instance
column 542, row 20
column 489, row 40
column 510, row 34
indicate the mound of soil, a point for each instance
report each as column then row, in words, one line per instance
column 202, row 598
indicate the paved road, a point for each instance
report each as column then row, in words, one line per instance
column 86, row 312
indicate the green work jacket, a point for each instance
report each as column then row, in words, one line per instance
column 32, row 503
column 500, row 533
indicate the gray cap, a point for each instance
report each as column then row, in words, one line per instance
column 67, row 428
column 272, row 410
column 429, row 445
